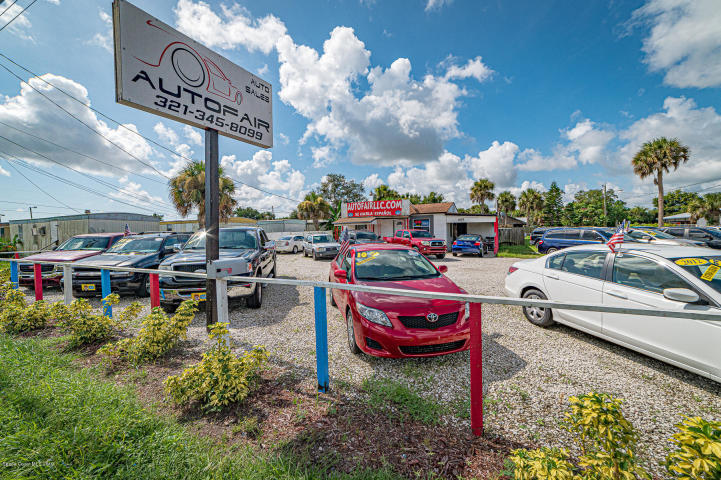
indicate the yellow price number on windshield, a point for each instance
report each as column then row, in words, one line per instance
column 363, row 257
column 691, row 262
column 710, row 272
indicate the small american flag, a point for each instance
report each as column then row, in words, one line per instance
column 127, row 230
column 617, row 238
column 344, row 242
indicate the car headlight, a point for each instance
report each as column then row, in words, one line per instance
column 58, row 268
column 374, row 315
column 424, row 242
column 320, row 249
column 467, row 312
column 166, row 266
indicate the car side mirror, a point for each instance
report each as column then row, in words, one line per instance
column 175, row 248
column 340, row 274
column 681, row 295
column 442, row 268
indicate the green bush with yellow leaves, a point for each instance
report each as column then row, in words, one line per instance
column 86, row 327
column 157, row 336
column 221, row 377
column 608, row 443
column 16, row 316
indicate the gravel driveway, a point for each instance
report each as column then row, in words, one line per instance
column 528, row 372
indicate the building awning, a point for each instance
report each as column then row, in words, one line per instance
column 360, row 220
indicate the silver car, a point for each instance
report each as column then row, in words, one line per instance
column 289, row 244
column 320, row 245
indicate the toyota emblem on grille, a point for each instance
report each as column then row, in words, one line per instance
column 432, row 317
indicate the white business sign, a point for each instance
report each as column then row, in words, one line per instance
column 160, row 70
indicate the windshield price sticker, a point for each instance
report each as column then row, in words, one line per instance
column 710, row 272
column 363, row 257
column 690, row 262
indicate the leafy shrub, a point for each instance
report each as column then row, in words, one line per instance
column 698, row 450
column 86, row 327
column 16, row 316
column 543, row 463
column 607, row 441
column 158, row 335
column 221, row 377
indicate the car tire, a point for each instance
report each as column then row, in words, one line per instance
column 169, row 307
column 314, row 257
column 541, row 317
column 305, row 254
column 350, row 329
column 143, row 289
column 332, row 300
column 454, row 254
column 256, row 299
column 441, row 256
column 295, row 249
column 552, row 250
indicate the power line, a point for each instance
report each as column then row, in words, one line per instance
column 36, row 186
column 16, row 16
column 34, row 203
column 8, row 8
column 235, row 181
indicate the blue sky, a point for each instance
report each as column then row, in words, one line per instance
column 422, row 95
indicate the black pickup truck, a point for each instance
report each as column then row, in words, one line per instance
column 248, row 243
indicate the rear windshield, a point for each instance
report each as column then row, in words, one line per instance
column 470, row 238
column 85, row 243
column 387, row 265
column 137, row 245
column 230, row 239
column 704, row 268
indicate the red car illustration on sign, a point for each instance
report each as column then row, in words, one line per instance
column 195, row 70
column 393, row 326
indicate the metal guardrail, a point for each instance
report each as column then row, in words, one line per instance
column 321, row 322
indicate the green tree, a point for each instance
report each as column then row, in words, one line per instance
column 656, row 157
column 433, row 197
column 482, row 191
column 588, row 207
column 531, row 203
column 384, row 192
column 706, row 207
column 187, row 191
column 640, row 215
column 335, row 189
column 506, row 202
column 413, row 197
column 677, row 201
column 313, row 207
column 247, row 212
column 553, row 205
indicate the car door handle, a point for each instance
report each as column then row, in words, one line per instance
column 617, row 294
column 551, row 275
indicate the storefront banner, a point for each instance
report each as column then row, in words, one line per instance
column 379, row 208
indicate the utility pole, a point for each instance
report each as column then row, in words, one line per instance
column 605, row 216
column 31, row 211
column 212, row 221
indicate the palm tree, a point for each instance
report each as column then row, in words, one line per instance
column 658, row 156
column 313, row 207
column 384, row 192
column 698, row 208
column 506, row 203
column 187, row 191
column 482, row 191
column 531, row 203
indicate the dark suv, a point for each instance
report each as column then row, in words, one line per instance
column 248, row 243
column 709, row 236
column 537, row 234
column 557, row 238
column 134, row 251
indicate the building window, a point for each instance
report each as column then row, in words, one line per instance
column 421, row 224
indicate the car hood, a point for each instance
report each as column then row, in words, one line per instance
column 63, row 255
column 116, row 260
column 327, row 244
column 199, row 256
column 397, row 304
column 676, row 241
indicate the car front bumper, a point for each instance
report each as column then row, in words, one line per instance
column 326, row 254
column 50, row 278
column 406, row 342
column 91, row 286
column 470, row 250
column 432, row 250
column 176, row 292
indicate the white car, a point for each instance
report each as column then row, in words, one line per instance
column 320, row 245
column 289, row 244
column 662, row 277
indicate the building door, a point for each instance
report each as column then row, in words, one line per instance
column 461, row 229
column 54, row 233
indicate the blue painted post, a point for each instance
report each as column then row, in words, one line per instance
column 105, row 287
column 14, row 274
column 321, row 338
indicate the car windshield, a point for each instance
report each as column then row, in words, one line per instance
column 706, row 269
column 469, row 238
column 229, row 239
column 654, row 233
column 385, row 265
column 85, row 243
column 137, row 245
column 421, row 234
column 322, row 239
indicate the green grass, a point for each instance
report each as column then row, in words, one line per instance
column 59, row 421
column 396, row 400
column 518, row 251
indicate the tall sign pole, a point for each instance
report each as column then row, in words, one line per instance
column 212, row 220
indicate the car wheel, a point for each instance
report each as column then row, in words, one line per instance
column 352, row 345
column 541, row 317
column 454, row 254
column 295, row 249
column 314, row 257
column 169, row 307
column 480, row 252
column 332, row 300
column 441, row 256
column 305, row 254
column 256, row 300
column 143, row 289
column 551, row 250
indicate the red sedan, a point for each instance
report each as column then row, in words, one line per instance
column 391, row 325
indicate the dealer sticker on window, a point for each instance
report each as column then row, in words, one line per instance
column 363, row 257
column 689, row 262
column 710, row 272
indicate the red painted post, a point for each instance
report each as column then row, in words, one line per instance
column 154, row 291
column 17, row 255
column 476, row 370
column 38, row 281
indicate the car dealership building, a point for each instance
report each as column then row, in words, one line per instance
column 442, row 220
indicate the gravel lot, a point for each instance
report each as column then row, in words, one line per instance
column 528, row 372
